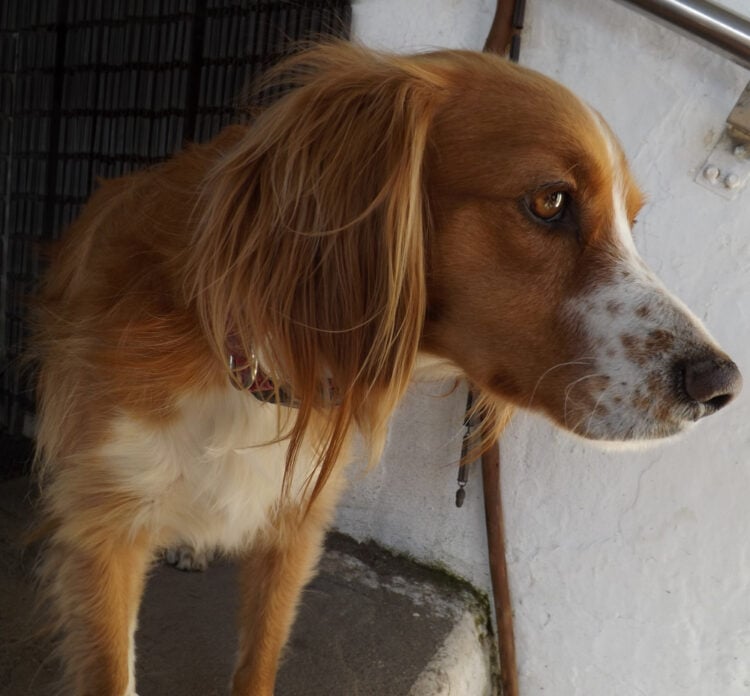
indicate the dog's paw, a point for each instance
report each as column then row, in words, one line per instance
column 189, row 559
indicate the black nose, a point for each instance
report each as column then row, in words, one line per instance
column 713, row 383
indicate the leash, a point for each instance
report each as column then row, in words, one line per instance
column 504, row 37
column 463, row 469
column 495, row 527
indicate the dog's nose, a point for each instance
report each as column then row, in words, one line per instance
column 713, row 382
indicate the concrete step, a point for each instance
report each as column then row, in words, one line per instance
column 370, row 624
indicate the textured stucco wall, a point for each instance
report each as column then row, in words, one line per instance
column 630, row 571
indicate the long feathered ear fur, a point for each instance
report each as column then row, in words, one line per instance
column 310, row 248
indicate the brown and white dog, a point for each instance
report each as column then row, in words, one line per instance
column 439, row 213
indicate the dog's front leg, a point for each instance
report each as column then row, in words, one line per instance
column 95, row 589
column 273, row 574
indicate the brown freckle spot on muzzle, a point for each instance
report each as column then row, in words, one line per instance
column 635, row 349
column 643, row 311
column 654, row 382
column 662, row 412
column 659, row 341
column 641, row 401
column 617, row 400
column 614, row 308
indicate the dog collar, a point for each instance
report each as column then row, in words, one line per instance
column 249, row 376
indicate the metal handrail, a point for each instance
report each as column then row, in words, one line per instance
column 716, row 27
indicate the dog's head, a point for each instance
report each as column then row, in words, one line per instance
column 535, row 286
column 454, row 204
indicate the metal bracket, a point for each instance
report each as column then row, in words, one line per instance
column 727, row 168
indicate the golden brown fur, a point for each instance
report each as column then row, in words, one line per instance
column 378, row 211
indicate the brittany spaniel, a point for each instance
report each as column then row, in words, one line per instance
column 212, row 330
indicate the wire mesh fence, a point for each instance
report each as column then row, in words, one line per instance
column 92, row 89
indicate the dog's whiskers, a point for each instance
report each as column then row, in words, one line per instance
column 593, row 412
column 569, row 388
column 586, row 360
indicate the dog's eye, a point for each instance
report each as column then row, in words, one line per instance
column 548, row 205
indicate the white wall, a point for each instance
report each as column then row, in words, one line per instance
column 630, row 572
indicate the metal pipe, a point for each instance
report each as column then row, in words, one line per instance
column 715, row 27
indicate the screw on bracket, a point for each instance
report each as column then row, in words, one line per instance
column 726, row 170
column 731, row 181
column 711, row 173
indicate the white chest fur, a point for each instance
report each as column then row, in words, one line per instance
column 213, row 477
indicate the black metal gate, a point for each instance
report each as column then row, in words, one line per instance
column 95, row 89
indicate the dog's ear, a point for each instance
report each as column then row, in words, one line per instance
column 309, row 248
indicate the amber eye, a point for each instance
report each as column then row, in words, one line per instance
column 548, row 205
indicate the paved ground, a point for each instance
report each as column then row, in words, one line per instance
column 370, row 625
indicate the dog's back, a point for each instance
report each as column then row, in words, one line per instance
column 111, row 316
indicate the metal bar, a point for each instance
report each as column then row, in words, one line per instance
column 53, row 153
column 198, row 36
column 715, row 27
